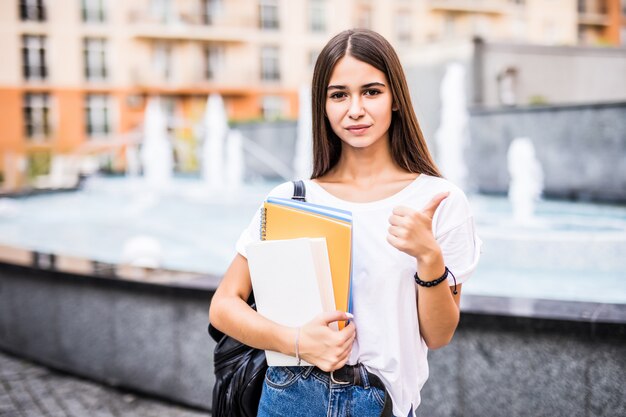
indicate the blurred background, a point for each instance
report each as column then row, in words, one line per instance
column 138, row 137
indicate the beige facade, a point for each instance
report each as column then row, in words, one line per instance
column 76, row 73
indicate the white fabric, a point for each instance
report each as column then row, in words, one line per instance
column 388, row 340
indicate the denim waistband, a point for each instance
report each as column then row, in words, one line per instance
column 356, row 375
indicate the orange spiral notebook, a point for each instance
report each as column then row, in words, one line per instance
column 290, row 219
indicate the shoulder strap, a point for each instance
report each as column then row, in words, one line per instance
column 299, row 191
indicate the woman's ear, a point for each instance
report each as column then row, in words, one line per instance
column 394, row 107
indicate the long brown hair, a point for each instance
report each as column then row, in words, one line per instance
column 407, row 144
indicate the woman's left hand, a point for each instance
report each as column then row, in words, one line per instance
column 411, row 231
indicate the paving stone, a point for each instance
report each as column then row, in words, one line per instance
column 30, row 390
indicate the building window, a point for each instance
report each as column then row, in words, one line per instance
column 161, row 10
column 403, row 26
column 270, row 64
column 98, row 115
column 33, row 10
column 210, row 10
column 34, row 57
column 213, row 58
column 317, row 15
column 95, row 59
column 272, row 107
column 37, row 115
column 93, row 11
column 162, row 60
column 268, row 14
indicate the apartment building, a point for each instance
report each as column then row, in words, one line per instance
column 77, row 73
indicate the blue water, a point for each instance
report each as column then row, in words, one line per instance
column 574, row 251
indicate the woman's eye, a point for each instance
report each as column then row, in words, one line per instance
column 371, row 92
column 337, row 95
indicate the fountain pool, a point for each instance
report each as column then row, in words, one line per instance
column 572, row 251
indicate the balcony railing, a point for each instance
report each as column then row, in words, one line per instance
column 227, row 25
column 476, row 6
column 593, row 19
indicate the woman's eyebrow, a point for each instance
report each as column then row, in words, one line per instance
column 368, row 85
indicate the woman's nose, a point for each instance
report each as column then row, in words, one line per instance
column 356, row 109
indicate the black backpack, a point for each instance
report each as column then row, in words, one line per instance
column 239, row 369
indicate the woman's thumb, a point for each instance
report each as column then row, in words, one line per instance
column 329, row 317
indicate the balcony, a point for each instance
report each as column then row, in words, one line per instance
column 476, row 6
column 593, row 13
column 186, row 79
column 229, row 27
column 592, row 19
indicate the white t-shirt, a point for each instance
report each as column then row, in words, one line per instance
column 388, row 340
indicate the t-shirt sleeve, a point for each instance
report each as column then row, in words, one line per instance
column 455, row 231
column 252, row 233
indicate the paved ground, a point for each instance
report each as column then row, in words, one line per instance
column 28, row 390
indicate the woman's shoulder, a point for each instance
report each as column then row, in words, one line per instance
column 440, row 185
column 456, row 204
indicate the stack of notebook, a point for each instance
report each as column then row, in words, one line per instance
column 302, row 266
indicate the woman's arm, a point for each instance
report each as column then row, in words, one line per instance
column 438, row 308
column 318, row 343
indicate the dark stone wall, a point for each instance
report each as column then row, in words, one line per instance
column 582, row 149
column 520, row 367
column 148, row 338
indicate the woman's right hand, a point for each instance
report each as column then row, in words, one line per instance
column 323, row 346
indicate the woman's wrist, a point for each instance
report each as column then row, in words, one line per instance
column 286, row 339
column 432, row 259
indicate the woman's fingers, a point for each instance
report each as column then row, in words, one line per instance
column 410, row 231
column 324, row 347
column 329, row 317
column 432, row 205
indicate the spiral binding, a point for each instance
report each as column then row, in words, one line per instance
column 263, row 230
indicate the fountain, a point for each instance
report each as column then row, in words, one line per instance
column 452, row 137
column 156, row 151
column 304, row 140
column 235, row 169
column 526, row 182
column 215, row 132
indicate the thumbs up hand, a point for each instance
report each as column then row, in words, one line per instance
column 411, row 231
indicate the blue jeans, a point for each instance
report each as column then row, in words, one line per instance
column 301, row 392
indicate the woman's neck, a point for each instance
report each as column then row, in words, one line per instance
column 365, row 175
column 365, row 166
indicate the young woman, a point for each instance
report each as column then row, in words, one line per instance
column 412, row 230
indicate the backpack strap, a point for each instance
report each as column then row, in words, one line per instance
column 299, row 191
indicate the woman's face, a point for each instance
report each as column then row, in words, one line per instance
column 358, row 103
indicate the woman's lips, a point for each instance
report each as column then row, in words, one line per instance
column 358, row 129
